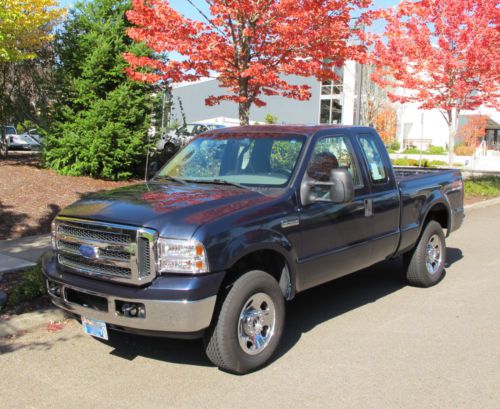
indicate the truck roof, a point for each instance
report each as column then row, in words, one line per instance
column 307, row 130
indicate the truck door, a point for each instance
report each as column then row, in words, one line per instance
column 384, row 200
column 335, row 237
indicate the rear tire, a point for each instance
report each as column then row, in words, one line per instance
column 249, row 325
column 425, row 263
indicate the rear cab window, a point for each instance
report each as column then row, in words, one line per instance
column 374, row 156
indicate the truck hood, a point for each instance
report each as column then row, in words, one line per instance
column 171, row 209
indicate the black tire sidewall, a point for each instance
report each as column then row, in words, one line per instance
column 431, row 229
column 247, row 285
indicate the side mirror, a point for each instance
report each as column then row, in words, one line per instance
column 341, row 188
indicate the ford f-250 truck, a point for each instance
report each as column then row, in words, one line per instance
column 237, row 223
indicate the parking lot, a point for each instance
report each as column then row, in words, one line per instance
column 364, row 341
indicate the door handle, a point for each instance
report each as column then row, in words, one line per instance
column 368, row 207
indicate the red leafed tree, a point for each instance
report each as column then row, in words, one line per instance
column 441, row 54
column 385, row 121
column 474, row 130
column 251, row 45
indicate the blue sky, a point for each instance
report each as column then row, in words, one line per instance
column 185, row 8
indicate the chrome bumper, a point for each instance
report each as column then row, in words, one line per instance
column 160, row 315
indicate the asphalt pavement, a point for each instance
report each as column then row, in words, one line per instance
column 365, row 341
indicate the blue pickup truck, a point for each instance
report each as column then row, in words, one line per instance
column 236, row 224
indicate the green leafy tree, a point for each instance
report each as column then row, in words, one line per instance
column 101, row 117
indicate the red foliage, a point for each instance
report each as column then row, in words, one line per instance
column 385, row 122
column 445, row 52
column 250, row 44
column 474, row 130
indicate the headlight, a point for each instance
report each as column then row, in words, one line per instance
column 181, row 256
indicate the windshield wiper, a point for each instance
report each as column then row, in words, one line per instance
column 216, row 182
column 167, row 177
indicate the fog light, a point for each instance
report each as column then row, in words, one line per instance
column 54, row 289
column 129, row 309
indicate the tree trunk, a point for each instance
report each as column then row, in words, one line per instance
column 452, row 131
column 244, row 104
column 244, row 113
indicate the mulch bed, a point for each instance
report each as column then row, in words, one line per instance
column 31, row 196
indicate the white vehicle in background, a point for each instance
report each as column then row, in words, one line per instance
column 33, row 134
column 16, row 142
column 174, row 139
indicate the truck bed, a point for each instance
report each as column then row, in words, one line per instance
column 407, row 173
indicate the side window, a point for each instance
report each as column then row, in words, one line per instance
column 329, row 153
column 284, row 154
column 373, row 158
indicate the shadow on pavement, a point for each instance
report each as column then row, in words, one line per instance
column 453, row 255
column 130, row 346
column 307, row 310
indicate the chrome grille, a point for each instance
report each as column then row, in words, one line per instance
column 106, row 251
column 105, row 237
column 90, row 268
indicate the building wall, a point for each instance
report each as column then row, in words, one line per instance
column 429, row 126
column 287, row 111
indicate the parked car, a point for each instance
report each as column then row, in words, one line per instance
column 33, row 134
column 239, row 222
column 174, row 139
column 16, row 142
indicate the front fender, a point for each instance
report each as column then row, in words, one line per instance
column 258, row 240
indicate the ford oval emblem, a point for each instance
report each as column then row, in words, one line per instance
column 88, row 251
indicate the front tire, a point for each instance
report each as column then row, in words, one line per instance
column 248, row 328
column 425, row 264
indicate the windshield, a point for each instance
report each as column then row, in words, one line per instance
column 10, row 130
column 245, row 159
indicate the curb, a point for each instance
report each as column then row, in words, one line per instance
column 30, row 321
column 484, row 203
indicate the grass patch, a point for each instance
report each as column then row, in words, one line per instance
column 486, row 186
column 31, row 286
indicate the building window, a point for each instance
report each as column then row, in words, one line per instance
column 331, row 93
column 333, row 87
column 331, row 111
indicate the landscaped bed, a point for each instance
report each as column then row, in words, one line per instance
column 31, row 196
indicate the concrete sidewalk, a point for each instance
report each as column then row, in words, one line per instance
column 20, row 254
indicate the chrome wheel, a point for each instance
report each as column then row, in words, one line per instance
column 434, row 254
column 256, row 323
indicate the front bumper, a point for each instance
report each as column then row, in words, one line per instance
column 173, row 306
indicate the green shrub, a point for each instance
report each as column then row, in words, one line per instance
column 414, row 162
column 30, row 287
column 393, row 147
column 436, row 150
column 412, row 150
column 488, row 186
column 432, row 150
column 271, row 119
column 435, row 163
column 101, row 117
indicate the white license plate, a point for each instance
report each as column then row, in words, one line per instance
column 95, row 328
